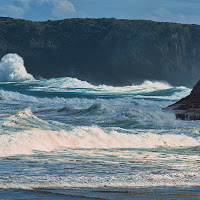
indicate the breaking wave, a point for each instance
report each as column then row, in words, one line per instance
column 28, row 133
column 26, row 142
column 147, row 88
column 12, row 69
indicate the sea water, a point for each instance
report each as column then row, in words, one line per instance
column 63, row 138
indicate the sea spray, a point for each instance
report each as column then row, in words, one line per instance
column 28, row 133
column 25, row 142
column 64, row 132
column 12, row 69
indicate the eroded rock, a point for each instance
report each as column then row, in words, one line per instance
column 188, row 108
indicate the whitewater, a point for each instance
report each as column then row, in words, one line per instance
column 73, row 140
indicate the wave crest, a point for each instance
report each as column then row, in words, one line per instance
column 31, row 133
column 12, row 69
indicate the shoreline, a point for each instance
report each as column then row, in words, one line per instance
column 105, row 193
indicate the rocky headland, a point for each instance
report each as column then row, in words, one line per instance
column 188, row 108
column 105, row 51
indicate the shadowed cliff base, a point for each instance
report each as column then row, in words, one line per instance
column 105, row 51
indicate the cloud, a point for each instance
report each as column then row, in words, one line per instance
column 162, row 12
column 182, row 4
column 170, row 15
column 25, row 3
column 11, row 11
column 15, row 11
column 180, row 11
column 61, row 8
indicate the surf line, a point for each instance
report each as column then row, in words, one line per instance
column 148, row 193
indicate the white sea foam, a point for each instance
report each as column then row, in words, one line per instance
column 25, row 142
column 95, row 111
column 12, row 69
column 31, row 137
column 75, row 85
column 28, row 100
column 143, row 179
column 69, row 82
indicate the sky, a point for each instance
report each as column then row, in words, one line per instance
column 180, row 11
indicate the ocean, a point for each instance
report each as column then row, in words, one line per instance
column 64, row 138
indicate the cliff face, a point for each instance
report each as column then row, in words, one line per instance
column 106, row 51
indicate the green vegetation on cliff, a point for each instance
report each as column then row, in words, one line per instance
column 109, row 51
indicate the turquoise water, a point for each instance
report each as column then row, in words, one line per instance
column 64, row 138
column 67, row 139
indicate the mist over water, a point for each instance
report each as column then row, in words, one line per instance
column 65, row 133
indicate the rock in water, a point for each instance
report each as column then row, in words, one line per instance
column 188, row 108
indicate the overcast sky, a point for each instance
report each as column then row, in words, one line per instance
column 183, row 11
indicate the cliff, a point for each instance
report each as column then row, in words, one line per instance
column 108, row 51
column 188, row 108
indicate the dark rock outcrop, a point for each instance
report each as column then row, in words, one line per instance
column 188, row 108
column 109, row 51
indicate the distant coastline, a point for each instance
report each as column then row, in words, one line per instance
column 105, row 51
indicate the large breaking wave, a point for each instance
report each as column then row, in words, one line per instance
column 28, row 133
column 12, row 69
column 121, row 107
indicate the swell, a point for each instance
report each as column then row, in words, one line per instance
column 95, row 109
column 124, row 112
column 72, row 87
